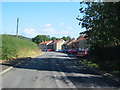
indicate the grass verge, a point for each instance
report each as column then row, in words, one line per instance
column 13, row 47
column 112, row 67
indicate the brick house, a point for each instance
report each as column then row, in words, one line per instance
column 44, row 45
column 67, row 44
column 81, row 44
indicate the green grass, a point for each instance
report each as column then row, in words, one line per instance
column 89, row 63
column 111, row 66
column 13, row 47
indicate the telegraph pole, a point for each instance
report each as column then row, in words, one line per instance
column 17, row 27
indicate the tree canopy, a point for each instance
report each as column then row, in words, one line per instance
column 40, row 38
column 102, row 22
column 66, row 38
column 54, row 38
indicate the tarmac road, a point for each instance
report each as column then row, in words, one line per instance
column 55, row 70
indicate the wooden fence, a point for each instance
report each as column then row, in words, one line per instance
column 108, row 53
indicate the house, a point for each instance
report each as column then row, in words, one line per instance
column 75, row 44
column 44, row 45
column 64, row 46
column 57, row 45
column 54, row 45
column 68, row 44
column 81, row 44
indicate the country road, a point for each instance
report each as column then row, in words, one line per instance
column 54, row 70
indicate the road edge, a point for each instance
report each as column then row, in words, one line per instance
column 9, row 68
column 103, row 73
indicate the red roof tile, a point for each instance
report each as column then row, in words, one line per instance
column 80, row 39
column 44, row 42
column 57, row 41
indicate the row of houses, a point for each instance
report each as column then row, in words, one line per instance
column 79, row 44
column 54, row 45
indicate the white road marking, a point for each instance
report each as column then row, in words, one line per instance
column 6, row 70
column 69, row 83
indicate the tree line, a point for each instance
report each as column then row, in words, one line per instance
column 42, row 38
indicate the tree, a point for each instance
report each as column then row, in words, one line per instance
column 54, row 38
column 40, row 38
column 101, row 21
column 66, row 38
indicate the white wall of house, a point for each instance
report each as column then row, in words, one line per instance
column 58, row 45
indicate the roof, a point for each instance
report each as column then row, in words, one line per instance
column 45, row 42
column 71, row 42
column 80, row 39
column 57, row 41
column 66, row 42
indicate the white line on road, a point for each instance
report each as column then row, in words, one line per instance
column 70, row 84
column 6, row 70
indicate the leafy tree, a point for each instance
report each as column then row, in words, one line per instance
column 40, row 38
column 66, row 38
column 101, row 21
column 54, row 38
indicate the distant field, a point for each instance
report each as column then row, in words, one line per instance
column 13, row 47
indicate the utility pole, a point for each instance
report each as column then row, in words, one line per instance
column 17, row 27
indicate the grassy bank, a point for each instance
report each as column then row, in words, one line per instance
column 112, row 67
column 13, row 47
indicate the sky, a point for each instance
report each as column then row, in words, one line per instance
column 56, row 19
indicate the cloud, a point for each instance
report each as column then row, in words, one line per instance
column 48, row 29
column 65, row 32
column 45, row 29
column 30, row 32
column 69, row 27
column 46, row 25
column 61, row 24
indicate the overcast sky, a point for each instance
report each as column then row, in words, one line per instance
column 49, row 18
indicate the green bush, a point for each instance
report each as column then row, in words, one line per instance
column 89, row 63
column 13, row 47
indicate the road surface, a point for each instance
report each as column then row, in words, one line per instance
column 54, row 70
